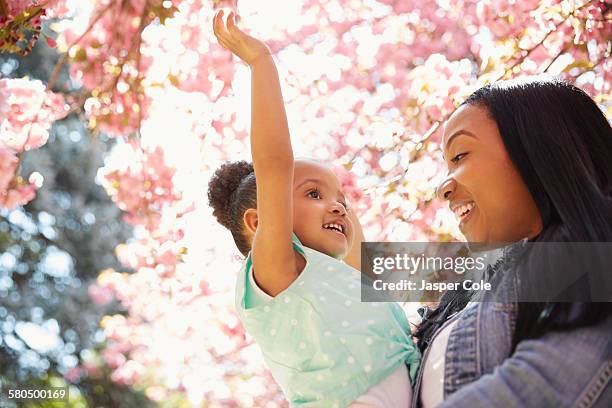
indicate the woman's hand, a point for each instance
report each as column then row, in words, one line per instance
column 231, row 37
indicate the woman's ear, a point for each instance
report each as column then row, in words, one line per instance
column 250, row 220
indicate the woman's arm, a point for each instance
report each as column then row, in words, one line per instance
column 569, row 368
column 272, row 250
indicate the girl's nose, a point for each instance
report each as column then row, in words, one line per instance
column 338, row 208
column 446, row 188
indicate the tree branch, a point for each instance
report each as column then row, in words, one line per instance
column 64, row 57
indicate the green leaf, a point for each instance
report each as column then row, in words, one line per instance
column 583, row 64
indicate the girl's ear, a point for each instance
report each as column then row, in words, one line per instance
column 250, row 220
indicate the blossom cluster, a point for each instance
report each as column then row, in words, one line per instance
column 27, row 111
column 140, row 183
column 21, row 22
column 367, row 86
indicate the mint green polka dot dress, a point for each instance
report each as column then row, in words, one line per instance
column 323, row 345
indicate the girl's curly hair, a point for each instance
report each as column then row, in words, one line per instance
column 231, row 191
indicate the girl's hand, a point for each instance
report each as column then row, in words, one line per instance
column 231, row 37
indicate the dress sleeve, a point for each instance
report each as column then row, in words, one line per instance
column 255, row 296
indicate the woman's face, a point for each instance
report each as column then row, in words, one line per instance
column 483, row 187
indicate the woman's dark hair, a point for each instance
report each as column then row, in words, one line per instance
column 561, row 144
column 232, row 191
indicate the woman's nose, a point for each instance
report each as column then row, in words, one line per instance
column 446, row 188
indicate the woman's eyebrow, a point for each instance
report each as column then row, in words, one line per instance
column 454, row 135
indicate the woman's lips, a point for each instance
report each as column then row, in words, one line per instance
column 464, row 212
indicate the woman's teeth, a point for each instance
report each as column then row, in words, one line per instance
column 463, row 210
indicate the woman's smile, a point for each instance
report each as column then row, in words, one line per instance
column 463, row 211
column 481, row 171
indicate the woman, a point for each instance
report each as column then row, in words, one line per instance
column 527, row 160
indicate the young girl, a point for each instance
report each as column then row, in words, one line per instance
column 294, row 295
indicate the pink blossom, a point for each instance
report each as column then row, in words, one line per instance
column 8, row 166
column 20, row 195
column 430, row 57
column 92, row 370
column 113, row 358
column 100, row 295
column 27, row 111
column 128, row 373
column 74, row 374
column 156, row 393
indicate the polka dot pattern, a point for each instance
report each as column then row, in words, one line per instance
column 320, row 330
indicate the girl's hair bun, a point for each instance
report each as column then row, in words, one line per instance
column 222, row 188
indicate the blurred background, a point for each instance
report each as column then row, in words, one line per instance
column 115, row 279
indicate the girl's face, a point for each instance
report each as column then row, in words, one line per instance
column 320, row 218
column 483, row 187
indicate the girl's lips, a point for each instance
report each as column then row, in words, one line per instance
column 335, row 232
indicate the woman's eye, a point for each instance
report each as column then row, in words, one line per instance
column 314, row 194
column 458, row 157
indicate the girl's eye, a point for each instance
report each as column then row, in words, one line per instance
column 314, row 194
column 458, row 157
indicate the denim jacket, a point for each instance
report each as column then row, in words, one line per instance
column 559, row 369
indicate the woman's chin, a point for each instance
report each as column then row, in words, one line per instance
column 474, row 235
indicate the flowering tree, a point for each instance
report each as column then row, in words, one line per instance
column 366, row 83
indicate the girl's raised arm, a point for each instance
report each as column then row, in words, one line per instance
column 274, row 261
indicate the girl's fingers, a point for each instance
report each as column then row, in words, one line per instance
column 229, row 35
column 233, row 30
column 216, row 19
column 231, row 24
column 219, row 27
column 221, row 31
column 231, row 46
